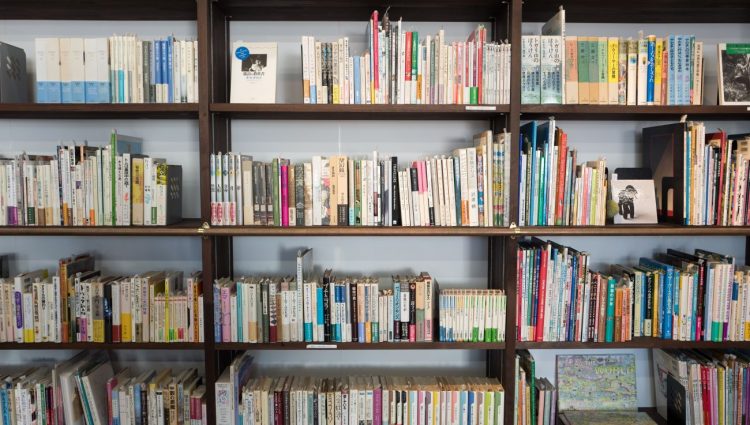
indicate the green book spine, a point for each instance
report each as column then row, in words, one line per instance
column 357, row 192
column 113, row 174
column 276, row 188
column 593, row 63
column 414, row 53
column 474, row 95
column 583, row 61
column 610, row 327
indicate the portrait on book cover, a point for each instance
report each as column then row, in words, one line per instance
column 734, row 74
column 636, row 201
column 255, row 63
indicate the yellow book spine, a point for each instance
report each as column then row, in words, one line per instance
column 98, row 330
column 28, row 335
column 125, row 323
column 659, row 63
column 613, row 69
column 336, row 94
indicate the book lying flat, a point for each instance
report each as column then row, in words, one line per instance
column 588, row 417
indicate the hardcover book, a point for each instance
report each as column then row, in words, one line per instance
column 734, row 74
column 596, row 382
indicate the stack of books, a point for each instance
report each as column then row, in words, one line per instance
column 680, row 296
column 286, row 400
column 557, row 68
column 468, row 188
column 78, row 304
column 553, row 189
column 118, row 69
column 113, row 185
column 701, row 386
column 400, row 68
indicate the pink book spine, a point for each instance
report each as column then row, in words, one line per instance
column 226, row 317
column 285, row 196
column 111, row 384
column 377, row 405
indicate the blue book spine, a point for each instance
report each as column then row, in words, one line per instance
column 41, row 92
column 687, row 76
column 320, row 312
column 669, row 302
column 239, row 301
column 5, row 405
column 67, row 91
column 397, row 310
column 650, row 69
column 470, row 405
column 610, row 325
column 680, row 69
column 357, row 95
column 694, row 320
column 92, row 92
column 217, row 315
column 339, row 300
column 157, row 66
column 541, row 207
column 78, row 91
column 115, row 410
column 170, row 69
column 644, row 300
column 137, row 403
column 572, row 307
column 671, row 76
column 457, row 187
column 54, row 92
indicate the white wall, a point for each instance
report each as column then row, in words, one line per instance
column 454, row 261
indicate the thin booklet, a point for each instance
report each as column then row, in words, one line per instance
column 253, row 72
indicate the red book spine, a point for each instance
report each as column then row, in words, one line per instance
column 273, row 309
column 664, row 75
column 407, row 62
column 480, row 62
column 539, row 333
column 561, row 173
column 706, row 395
column 284, row 195
column 278, row 417
column 111, row 384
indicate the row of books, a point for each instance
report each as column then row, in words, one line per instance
column 553, row 189
column 702, row 386
column 400, row 68
column 283, row 400
column 468, row 188
column 536, row 398
column 111, row 185
column 677, row 295
column 85, row 390
column 117, row 69
column 714, row 177
column 79, row 304
column 557, row 68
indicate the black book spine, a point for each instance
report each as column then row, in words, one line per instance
column 286, row 406
column 343, row 214
column 107, row 306
column 593, row 313
column 326, row 310
column 395, row 194
column 412, row 308
column 650, row 299
column 329, row 66
column 381, row 194
column 354, row 312
column 701, row 300
column 315, row 420
column 144, row 406
column 404, row 320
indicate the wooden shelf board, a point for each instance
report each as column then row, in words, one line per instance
column 322, row 346
column 102, row 346
column 635, row 343
column 640, row 11
column 98, row 110
column 623, row 112
column 360, row 10
column 635, row 230
column 116, row 10
column 300, row 111
column 187, row 227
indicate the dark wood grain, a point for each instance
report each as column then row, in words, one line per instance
column 115, row 10
column 361, row 346
column 360, row 10
column 187, row 227
column 102, row 346
column 299, row 111
column 635, row 343
column 640, row 11
column 99, row 110
column 624, row 112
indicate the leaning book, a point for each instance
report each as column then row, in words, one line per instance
column 253, row 72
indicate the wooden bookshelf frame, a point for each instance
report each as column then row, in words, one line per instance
column 214, row 115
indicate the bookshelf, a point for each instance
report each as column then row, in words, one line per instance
column 213, row 116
